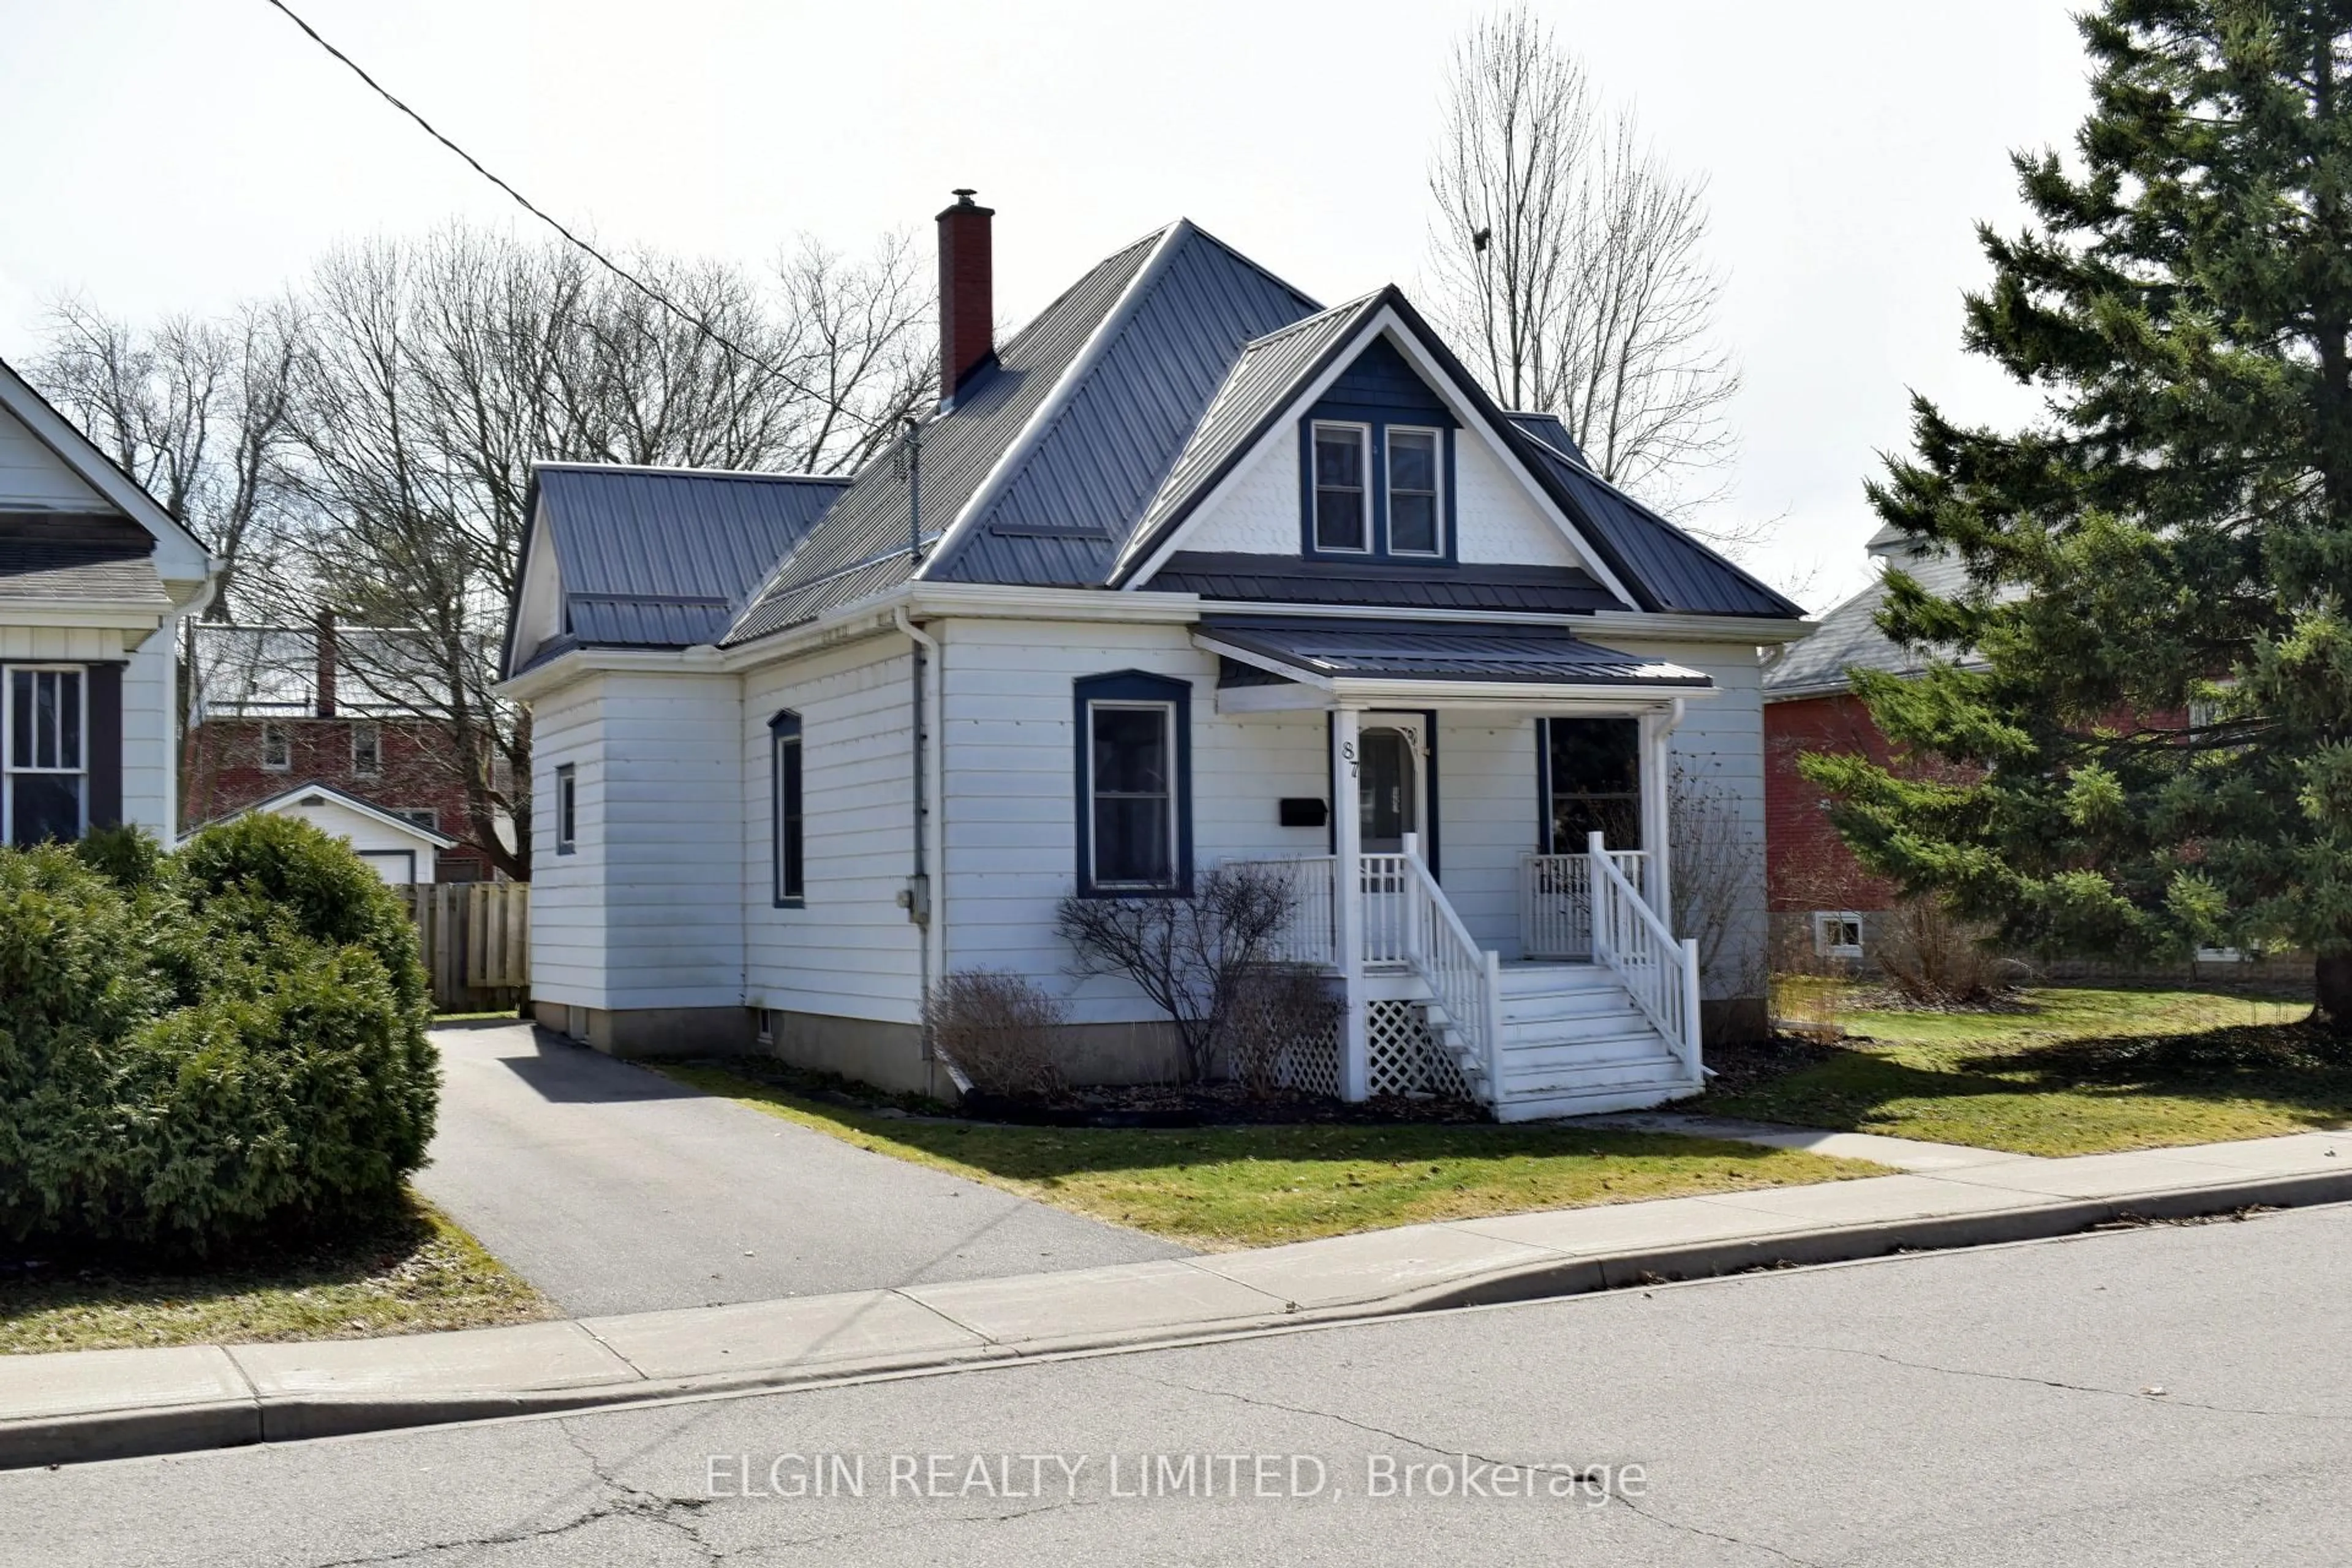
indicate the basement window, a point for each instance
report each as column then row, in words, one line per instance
column 1837, row 933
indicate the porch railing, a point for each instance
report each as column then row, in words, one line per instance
column 1556, row 901
column 1660, row 974
column 1409, row 922
column 1310, row 936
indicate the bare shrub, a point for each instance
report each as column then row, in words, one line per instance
column 1936, row 959
column 1276, row 1009
column 1187, row 954
column 999, row 1029
column 1718, row 883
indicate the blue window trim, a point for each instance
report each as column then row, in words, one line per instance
column 788, row 863
column 1131, row 686
column 567, row 808
column 1376, row 484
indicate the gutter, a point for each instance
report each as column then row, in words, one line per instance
column 928, row 838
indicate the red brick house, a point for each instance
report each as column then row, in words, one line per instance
column 275, row 709
column 1819, row 898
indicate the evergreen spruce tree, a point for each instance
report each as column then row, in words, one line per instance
column 2136, row 737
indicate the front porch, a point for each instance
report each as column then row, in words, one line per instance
column 1568, row 995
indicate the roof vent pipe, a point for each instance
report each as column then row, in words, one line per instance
column 967, row 293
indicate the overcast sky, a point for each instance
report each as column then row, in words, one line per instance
column 171, row 156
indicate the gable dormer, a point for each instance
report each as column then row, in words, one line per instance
column 1377, row 457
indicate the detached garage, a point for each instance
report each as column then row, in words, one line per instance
column 402, row 851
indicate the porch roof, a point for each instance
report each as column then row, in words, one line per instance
column 1326, row 651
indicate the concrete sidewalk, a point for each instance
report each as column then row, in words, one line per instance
column 105, row 1404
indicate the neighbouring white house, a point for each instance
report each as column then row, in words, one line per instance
column 402, row 849
column 95, row 579
column 1175, row 570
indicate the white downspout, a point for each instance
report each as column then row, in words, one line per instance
column 929, row 846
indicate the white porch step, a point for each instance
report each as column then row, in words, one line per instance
column 1570, row 1011
column 1544, row 1107
column 1522, row 978
column 1593, row 1050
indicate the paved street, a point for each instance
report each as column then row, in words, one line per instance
column 2171, row 1394
column 614, row 1190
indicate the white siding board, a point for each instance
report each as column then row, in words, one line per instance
column 567, row 896
column 33, row 475
column 850, row 951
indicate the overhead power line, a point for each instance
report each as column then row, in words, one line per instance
column 697, row 323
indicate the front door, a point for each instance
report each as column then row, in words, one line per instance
column 1391, row 780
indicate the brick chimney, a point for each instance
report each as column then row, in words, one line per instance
column 967, row 291
column 327, row 653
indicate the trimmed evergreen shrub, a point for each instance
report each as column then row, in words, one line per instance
column 228, row 1040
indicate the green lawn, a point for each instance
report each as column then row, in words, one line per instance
column 2071, row 1070
column 1222, row 1187
column 416, row 1271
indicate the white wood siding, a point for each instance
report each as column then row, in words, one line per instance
column 670, row 785
column 151, row 772
column 1011, row 809
column 850, row 950
column 568, row 892
column 33, row 475
column 1722, row 742
column 1486, row 818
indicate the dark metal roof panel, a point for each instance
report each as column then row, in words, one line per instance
column 657, row 557
column 1547, row 429
column 1443, row 650
column 868, row 527
column 1524, row 590
column 1677, row 570
column 1092, row 472
column 1267, row 372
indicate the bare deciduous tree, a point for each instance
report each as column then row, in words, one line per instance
column 1571, row 261
column 198, row 412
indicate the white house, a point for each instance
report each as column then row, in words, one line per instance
column 1167, row 563
column 95, row 578
column 402, row 849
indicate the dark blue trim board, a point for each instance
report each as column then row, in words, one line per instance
column 1132, row 686
column 787, row 848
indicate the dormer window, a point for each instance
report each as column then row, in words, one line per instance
column 1416, row 522
column 1377, row 490
column 1342, row 491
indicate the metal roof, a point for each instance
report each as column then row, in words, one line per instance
column 861, row 545
column 78, row 557
column 1848, row 636
column 661, row 557
column 1441, row 650
column 1083, row 413
column 1525, row 590
column 1672, row 568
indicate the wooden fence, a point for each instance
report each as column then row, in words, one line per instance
column 476, row 938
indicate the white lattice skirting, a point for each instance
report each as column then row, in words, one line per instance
column 1404, row 1058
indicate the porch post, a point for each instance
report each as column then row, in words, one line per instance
column 1657, row 784
column 1348, row 882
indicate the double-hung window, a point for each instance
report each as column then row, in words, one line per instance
column 1416, row 517
column 791, row 849
column 1343, row 511
column 277, row 748
column 367, row 751
column 1134, row 756
column 47, row 779
column 1592, row 781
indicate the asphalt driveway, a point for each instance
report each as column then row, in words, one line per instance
column 614, row 1190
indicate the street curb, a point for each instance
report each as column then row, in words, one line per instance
column 84, row 1437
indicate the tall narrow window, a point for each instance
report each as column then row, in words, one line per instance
column 784, row 737
column 367, row 751
column 1342, row 466
column 1592, row 769
column 567, row 814
column 1134, row 759
column 277, row 748
column 1415, row 527
column 47, row 779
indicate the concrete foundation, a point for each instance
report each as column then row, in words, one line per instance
column 650, row 1031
